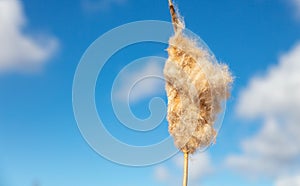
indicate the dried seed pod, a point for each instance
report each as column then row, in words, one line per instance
column 196, row 86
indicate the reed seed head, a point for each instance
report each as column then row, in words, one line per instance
column 196, row 86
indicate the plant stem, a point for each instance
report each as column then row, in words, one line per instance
column 173, row 15
column 185, row 169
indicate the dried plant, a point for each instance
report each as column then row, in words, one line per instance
column 196, row 86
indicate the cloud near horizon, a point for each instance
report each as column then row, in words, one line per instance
column 20, row 51
column 274, row 98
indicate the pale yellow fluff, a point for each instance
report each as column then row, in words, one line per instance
column 196, row 86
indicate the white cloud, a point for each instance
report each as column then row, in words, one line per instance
column 101, row 5
column 270, row 153
column 162, row 174
column 200, row 165
column 288, row 181
column 19, row 51
column 296, row 4
column 274, row 98
column 276, row 93
column 137, row 81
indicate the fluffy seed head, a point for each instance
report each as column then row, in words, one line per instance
column 196, row 86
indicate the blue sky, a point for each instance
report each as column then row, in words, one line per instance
column 42, row 42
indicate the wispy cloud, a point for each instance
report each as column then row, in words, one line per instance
column 19, row 51
column 288, row 181
column 274, row 98
column 162, row 174
column 278, row 92
column 101, row 5
column 200, row 165
column 296, row 6
column 138, row 82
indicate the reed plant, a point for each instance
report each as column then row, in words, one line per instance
column 196, row 86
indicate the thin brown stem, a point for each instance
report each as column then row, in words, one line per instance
column 173, row 15
column 185, row 169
